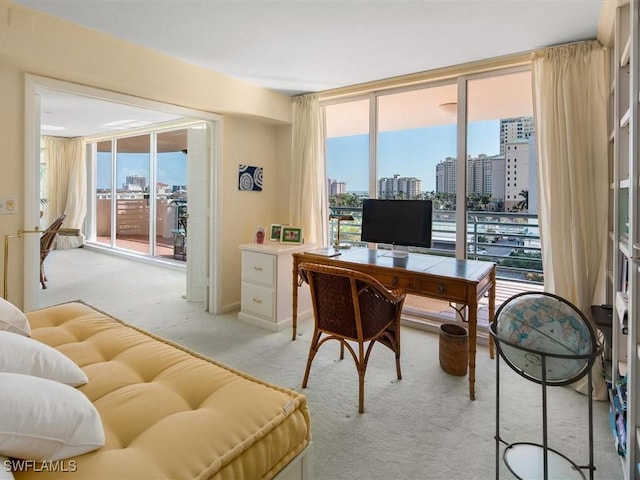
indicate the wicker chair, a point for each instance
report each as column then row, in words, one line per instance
column 46, row 241
column 351, row 306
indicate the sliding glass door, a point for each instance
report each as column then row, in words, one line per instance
column 141, row 191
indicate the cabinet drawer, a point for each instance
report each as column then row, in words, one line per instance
column 259, row 268
column 258, row 300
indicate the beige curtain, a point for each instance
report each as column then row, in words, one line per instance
column 570, row 107
column 66, row 187
column 308, row 200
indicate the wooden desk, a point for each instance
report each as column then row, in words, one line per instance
column 458, row 281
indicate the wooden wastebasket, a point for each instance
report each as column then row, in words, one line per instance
column 454, row 349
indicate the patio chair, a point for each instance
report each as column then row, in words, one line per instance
column 46, row 242
column 350, row 306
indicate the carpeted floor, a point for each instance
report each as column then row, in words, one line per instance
column 421, row 427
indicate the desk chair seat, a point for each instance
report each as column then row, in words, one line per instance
column 350, row 306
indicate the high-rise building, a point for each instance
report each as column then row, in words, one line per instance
column 135, row 183
column 406, row 187
column 480, row 174
column 335, row 187
column 446, row 176
column 517, row 166
column 515, row 129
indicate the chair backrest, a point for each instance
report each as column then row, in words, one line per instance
column 47, row 237
column 350, row 303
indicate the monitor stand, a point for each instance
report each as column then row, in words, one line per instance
column 397, row 252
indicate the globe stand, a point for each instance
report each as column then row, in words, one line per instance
column 525, row 344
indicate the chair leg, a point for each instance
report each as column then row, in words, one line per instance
column 341, row 350
column 361, row 365
column 313, row 349
column 361, row 369
column 43, row 277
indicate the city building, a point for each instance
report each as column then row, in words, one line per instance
column 336, row 187
column 480, row 175
column 135, row 183
column 446, row 176
column 399, row 187
column 517, row 172
column 514, row 129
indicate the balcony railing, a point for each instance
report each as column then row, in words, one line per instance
column 511, row 240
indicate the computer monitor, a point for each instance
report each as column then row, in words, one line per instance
column 404, row 223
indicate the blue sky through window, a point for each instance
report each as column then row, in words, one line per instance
column 409, row 153
column 171, row 169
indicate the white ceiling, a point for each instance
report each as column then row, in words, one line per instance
column 297, row 46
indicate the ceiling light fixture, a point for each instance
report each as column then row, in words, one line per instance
column 449, row 109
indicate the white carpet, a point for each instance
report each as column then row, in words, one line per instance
column 421, row 427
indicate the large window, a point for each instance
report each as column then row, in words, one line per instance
column 478, row 169
column 348, row 168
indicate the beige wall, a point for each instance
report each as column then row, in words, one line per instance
column 255, row 119
column 248, row 142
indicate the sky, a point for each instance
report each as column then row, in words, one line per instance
column 409, row 153
column 172, row 168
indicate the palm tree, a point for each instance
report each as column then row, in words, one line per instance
column 522, row 205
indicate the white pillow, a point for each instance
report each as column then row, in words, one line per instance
column 44, row 420
column 12, row 319
column 5, row 469
column 19, row 354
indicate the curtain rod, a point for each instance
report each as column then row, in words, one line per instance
column 485, row 65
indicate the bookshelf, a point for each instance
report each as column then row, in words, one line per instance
column 624, row 279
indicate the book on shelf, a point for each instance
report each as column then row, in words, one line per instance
column 621, row 435
column 622, row 368
column 621, row 308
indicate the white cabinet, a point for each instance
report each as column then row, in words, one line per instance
column 267, row 286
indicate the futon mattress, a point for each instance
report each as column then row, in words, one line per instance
column 169, row 412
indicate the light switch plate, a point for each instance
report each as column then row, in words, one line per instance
column 8, row 205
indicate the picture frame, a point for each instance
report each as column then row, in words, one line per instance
column 259, row 236
column 291, row 235
column 275, row 232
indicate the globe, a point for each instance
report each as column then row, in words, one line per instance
column 531, row 327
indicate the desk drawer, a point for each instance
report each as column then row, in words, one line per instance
column 451, row 290
column 395, row 281
column 258, row 300
column 259, row 268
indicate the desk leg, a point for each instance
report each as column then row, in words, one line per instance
column 473, row 324
column 294, row 296
column 492, row 310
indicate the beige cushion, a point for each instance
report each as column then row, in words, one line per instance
column 168, row 412
column 12, row 319
column 45, row 420
column 20, row 354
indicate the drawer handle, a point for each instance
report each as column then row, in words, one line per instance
column 257, row 300
column 442, row 289
column 259, row 269
column 395, row 282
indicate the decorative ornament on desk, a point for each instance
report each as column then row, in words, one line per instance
column 259, row 235
column 340, row 218
column 250, row 178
